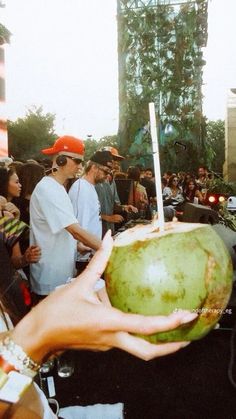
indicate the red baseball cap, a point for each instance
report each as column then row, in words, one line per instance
column 67, row 145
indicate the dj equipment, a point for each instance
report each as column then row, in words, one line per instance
column 195, row 213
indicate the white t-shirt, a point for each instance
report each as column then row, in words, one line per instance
column 50, row 213
column 86, row 207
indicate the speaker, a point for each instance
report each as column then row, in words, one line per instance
column 61, row 160
column 123, row 188
column 194, row 213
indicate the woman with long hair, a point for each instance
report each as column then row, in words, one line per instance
column 29, row 175
column 192, row 191
column 173, row 192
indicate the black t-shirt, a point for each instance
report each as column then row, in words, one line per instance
column 150, row 187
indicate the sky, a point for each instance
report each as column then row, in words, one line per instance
column 63, row 56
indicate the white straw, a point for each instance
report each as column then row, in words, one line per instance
column 156, row 159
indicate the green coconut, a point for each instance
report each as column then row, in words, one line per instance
column 186, row 267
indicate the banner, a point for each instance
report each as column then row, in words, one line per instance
column 3, row 118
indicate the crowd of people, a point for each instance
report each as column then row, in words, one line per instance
column 56, row 222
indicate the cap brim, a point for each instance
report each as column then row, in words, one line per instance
column 48, row 151
column 117, row 157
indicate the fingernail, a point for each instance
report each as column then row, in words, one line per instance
column 188, row 318
column 184, row 344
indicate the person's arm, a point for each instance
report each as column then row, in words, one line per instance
column 127, row 208
column 29, row 407
column 199, row 195
column 31, row 255
column 114, row 218
column 84, row 236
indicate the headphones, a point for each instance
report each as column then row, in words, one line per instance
column 61, row 160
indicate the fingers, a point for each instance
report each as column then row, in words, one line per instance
column 98, row 263
column 146, row 350
column 146, row 325
column 32, row 254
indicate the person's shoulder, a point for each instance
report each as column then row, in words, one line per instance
column 75, row 185
column 43, row 183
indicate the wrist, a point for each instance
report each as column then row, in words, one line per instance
column 23, row 260
column 30, row 336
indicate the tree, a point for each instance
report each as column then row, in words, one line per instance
column 91, row 145
column 160, row 60
column 28, row 135
column 4, row 34
column 215, row 142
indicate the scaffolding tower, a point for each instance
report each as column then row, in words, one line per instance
column 160, row 56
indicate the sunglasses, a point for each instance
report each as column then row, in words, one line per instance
column 75, row 159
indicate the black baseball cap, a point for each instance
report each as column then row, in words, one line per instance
column 104, row 158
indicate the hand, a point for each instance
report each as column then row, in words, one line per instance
column 130, row 208
column 10, row 207
column 75, row 318
column 115, row 218
column 32, row 254
column 3, row 212
column 82, row 249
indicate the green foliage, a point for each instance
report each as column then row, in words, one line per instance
column 215, row 144
column 4, row 34
column 160, row 60
column 28, row 135
column 220, row 186
column 91, row 145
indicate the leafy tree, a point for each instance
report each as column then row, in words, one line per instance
column 161, row 60
column 4, row 34
column 28, row 135
column 215, row 141
column 91, row 145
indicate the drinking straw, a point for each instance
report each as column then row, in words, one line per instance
column 156, row 160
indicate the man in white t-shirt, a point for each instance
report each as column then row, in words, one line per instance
column 54, row 226
column 85, row 200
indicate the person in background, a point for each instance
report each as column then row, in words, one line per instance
column 116, row 166
column 138, row 195
column 13, row 289
column 149, row 185
column 29, row 175
column 85, row 322
column 192, row 191
column 202, row 177
column 54, row 226
column 10, row 188
column 120, row 175
column 173, row 193
column 186, row 179
column 84, row 198
column 167, row 175
column 112, row 212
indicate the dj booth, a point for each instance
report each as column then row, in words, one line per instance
column 189, row 384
